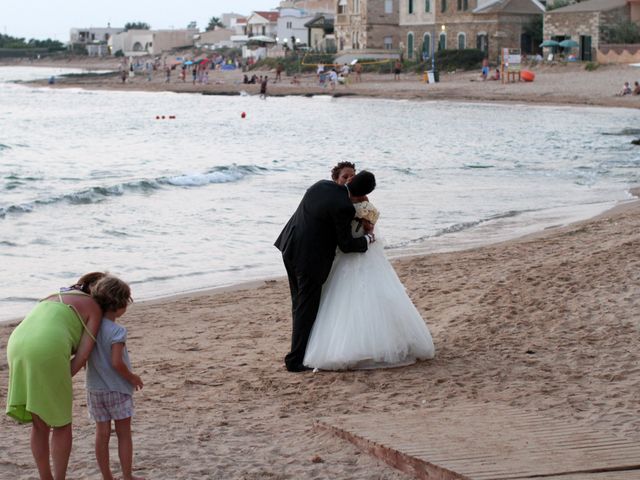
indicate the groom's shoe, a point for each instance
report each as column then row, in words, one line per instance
column 298, row 368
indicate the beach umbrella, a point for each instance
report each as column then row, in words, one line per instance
column 549, row 43
column 188, row 62
column 568, row 43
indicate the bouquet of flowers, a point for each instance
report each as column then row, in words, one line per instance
column 367, row 211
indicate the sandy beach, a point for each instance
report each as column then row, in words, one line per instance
column 559, row 84
column 547, row 323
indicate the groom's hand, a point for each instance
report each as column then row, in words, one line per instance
column 371, row 237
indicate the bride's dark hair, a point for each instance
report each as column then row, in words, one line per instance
column 335, row 171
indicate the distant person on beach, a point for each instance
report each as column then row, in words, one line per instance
column 123, row 76
column 636, row 88
column 263, row 87
column 194, row 74
column 397, row 70
column 167, row 72
column 109, row 379
column 308, row 242
column 495, row 76
column 44, row 352
column 358, row 71
column 626, row 90
column 485, row 68
column 279, row 70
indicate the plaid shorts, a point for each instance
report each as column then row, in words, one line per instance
column 106, row 406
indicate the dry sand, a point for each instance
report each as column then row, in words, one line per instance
column 546, row 323
column 562, row 83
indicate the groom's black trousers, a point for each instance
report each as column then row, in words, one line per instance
column 305, row 301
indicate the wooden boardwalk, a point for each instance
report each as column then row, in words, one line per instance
column 488, row 442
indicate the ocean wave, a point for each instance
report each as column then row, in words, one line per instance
column 221, row 174
column 458, row 227
column 624, row 131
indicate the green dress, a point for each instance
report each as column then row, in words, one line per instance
column 39, row 355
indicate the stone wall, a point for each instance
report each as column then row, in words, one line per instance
column 573, row 24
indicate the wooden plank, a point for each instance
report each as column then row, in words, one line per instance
column 487, row 442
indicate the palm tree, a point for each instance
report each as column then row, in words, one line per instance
column 213, row 23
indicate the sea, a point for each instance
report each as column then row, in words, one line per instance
column 178, row 193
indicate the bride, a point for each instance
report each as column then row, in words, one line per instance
column 366, row 319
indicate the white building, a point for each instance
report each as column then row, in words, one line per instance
column 263, row 24
column 95, row 40
column 291, row 26
column 134, row 43
column 235, row 22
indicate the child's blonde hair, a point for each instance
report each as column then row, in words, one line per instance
column 111, row 293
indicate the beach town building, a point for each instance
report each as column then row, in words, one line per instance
column 263, row 24
column 95, row 40
column 294, row 17
column 321, row 36
column 291, row 28
column 487, row 25
column 234, row 22
column 367, row 25
column 217, row 38
column 583, row 22
column 134, row 43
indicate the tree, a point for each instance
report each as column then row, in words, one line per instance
column 137, row 26
column 621, row 30
column 558, row 4
column 213, row 23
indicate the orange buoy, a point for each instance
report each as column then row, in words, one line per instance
column 527, row 75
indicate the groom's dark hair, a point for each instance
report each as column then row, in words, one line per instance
column 362, row 184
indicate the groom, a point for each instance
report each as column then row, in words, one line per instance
column 308, row 244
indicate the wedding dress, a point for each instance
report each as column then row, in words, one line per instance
column 366, row 319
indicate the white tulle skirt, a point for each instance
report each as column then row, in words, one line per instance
column 366, row 319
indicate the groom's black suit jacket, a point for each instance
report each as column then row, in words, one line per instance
column 321, row 223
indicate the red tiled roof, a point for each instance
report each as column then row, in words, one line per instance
column 271, row 16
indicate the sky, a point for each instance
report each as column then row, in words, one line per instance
column 42, row 19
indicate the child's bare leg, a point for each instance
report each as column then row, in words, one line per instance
column 103, row 433
column 40, row 447
column 125, row 448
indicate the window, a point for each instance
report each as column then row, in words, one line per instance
column 388, row 6
column 342, row 7
column 442, row 44
column 410, row 6
column 443, row 6
column 459, row 5
column 356, row 6
column 426, row 45
column 410, row 45
column 388, row 43
column 427, row 6
column 465, row 5
column 462, row 41
column 289, row 25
